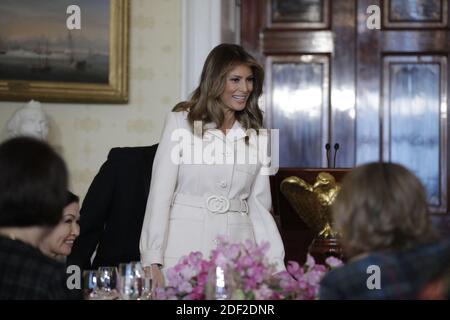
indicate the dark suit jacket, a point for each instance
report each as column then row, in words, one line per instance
column 402, row 274
column 113, row 210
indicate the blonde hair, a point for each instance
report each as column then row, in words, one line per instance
column 381, row 206
column 205, row 104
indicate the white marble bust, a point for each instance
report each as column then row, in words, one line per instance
column 29, row 121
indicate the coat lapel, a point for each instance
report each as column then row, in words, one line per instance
column 234, row 134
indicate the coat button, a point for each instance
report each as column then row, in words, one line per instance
column 223, row 184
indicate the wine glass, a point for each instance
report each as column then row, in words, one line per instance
column 146, row 287
column 90, row 287
column 107, row 282
column 134, row 284
column 221, row 283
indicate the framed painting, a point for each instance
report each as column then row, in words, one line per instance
column 298, row 14
column 415, row 14
column 51, row 52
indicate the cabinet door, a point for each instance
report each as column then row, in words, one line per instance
column 310, row 75
column 402, row 100
column 298, row 96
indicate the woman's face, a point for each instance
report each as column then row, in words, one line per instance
column 238, row 87
column 61, row 238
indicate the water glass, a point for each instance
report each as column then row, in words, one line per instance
column 134, row 284
column 90, row 287
column 107, row 282
column 221, row 284
column 146, row 288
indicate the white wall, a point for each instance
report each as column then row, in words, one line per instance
column 205, row 24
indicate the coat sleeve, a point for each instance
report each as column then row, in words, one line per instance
column 264, row 226
column 94, row 213
column 164, row 178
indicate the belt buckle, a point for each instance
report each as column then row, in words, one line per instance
column 244, row 205
column 217, row 204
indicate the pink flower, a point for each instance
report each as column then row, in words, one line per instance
column 293, row 267
column 263, row 292
column 313, row 277
column 333, row 262
column 186, row 287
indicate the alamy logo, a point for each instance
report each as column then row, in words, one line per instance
column 74, row 279
column 374, row 280
column 374, row 19
column 74, row 20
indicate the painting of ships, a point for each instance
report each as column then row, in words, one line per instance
column 2, row 47
column 79, row 65
column 49, row 53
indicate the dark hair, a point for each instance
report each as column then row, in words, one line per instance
column 381, row 206
column 33, row 184
column 205, row 104
column 71, row 198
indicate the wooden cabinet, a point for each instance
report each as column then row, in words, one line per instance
column 382, row 94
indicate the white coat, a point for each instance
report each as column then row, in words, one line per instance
column 175, row 228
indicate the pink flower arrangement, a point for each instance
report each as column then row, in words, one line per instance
column 302, row 283
column 247, row 267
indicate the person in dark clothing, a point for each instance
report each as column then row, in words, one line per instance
column 113, row 210
column 403, row 275
column 33, row 184
column 386, row 232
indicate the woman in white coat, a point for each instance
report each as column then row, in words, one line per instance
column 208, row 177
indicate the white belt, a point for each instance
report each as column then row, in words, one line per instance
column 213, row 203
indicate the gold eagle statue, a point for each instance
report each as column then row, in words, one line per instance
column 312, row 202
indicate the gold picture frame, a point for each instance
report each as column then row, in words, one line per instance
column 111, row 82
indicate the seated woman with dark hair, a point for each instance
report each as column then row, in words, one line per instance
column 60, row 241
column 33, row 184
column 382, row 215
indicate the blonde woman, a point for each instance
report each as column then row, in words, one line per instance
column 192, row 199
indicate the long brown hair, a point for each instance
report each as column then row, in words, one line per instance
column 381, row 206
column 205, row 104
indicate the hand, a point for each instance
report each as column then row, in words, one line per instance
column 157, row 276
